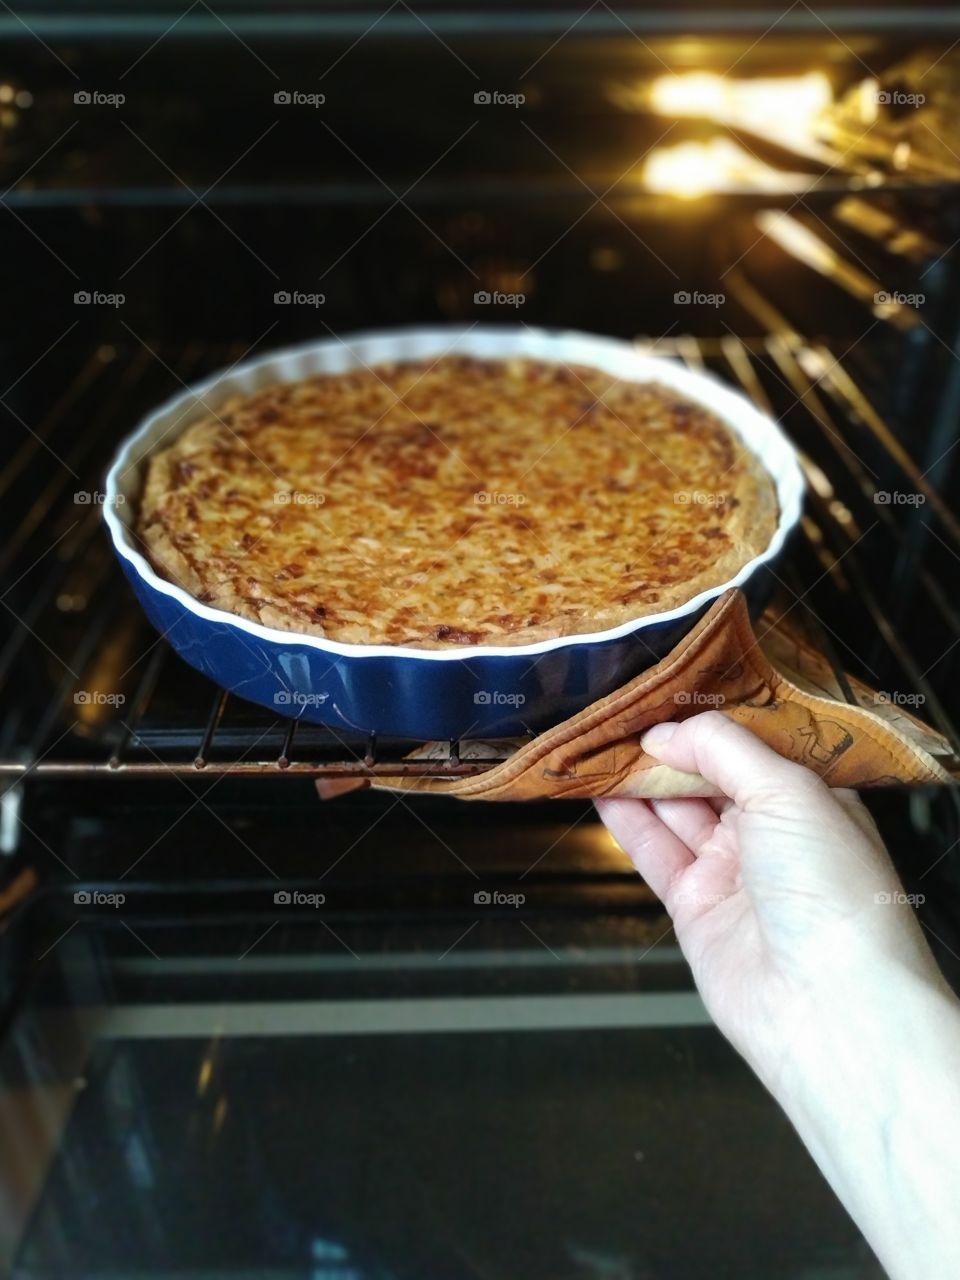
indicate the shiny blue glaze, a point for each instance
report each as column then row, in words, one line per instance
column 416, row 697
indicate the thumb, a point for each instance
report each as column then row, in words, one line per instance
column 752, row 774
column 805, row 837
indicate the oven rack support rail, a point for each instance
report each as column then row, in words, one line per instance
column 836, row 417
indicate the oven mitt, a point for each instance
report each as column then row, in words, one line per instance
column 773, row 683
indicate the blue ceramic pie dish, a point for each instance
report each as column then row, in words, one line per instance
column 476, row 692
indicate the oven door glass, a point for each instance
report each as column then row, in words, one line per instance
column 441, row 1100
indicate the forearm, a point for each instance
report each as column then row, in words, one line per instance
column 873, row 1089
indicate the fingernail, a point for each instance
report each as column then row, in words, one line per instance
column 658, row 736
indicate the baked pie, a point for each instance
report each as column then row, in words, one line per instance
column 455, row 502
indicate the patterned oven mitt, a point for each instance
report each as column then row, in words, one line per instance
column 774, row 683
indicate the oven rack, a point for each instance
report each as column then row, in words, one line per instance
column 852, row 572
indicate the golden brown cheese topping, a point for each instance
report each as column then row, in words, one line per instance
column 455, row 502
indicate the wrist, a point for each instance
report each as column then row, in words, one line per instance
column 861, row 1031
column 860, row 995
column 874, row 1094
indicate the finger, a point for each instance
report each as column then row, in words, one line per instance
column 692, row 821
column 330, row 788
column 854, row 807
column 720, row 804
column 652, row 848
column 733, row 759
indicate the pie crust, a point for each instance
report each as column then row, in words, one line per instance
column 453, row 502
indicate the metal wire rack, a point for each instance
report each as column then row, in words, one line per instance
column 851, row 577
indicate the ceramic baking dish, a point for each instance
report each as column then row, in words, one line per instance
column 479, row 691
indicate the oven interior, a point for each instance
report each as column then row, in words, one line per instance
column 198, row 1077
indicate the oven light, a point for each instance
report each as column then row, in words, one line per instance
column 219, row 1115
column 205, row 1076
column 782, row 108
column 865, row 101
column 901, row 154
column 605, row 851
column 799, row 241
column 694, row 168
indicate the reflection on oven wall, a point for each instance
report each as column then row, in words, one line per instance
column 597, row 187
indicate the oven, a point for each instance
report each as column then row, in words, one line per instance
column 247, row 1032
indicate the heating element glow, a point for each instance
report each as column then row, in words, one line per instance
column 692, row 169
column 784, row 109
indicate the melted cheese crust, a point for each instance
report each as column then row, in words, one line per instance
column 455, row 502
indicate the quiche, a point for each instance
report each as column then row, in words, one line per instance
column 455, row 502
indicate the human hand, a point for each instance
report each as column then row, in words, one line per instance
column 783, row 898
column 812, row 963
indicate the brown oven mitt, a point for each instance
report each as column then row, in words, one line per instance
column 773, row 683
